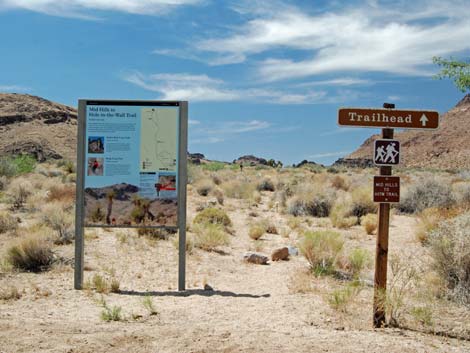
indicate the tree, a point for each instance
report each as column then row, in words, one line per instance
column 458, row 71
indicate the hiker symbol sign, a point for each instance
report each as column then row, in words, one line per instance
column 386, row 152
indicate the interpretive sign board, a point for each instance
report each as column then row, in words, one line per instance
column 387, row 189
column 387, row 152
column 387, row 118
column 131, row 169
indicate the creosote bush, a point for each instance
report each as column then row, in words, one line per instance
column 214, row 216
column 31, row 254
column 450, row 251
column 321, row 249
column 369, row 222
column 209, row 236
column 426, row 193
column 266, row 185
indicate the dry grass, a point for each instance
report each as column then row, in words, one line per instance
column 209, row 237
column 8, row 223
column 321, row 249
column 369, row 222
column 32, row 254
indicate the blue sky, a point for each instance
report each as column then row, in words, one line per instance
column 261, row 77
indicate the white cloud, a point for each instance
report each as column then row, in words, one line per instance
column 14, row 88
column 193, row 122
column 208, row 140
column 342, row 81
column 83, row 8
column 237, row 127
column 197, row 88
column 399, row 39
column 329, row 154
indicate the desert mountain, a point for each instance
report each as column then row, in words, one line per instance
column 30, row 124
column 445, row 148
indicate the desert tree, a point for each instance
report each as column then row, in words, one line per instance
column 456, row 70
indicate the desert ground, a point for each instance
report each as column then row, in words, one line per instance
column 131, row 303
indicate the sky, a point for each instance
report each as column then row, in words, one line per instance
column 261, row 77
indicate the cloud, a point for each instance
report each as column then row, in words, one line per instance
column 197, row 88
column 342, row 81
column 14, row 88
column 369, row 37
column 193, row 122
column 237, row 127
column 329, row 154
column 83, row 8
column 207, row 140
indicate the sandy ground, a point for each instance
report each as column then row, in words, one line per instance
column 252, row 308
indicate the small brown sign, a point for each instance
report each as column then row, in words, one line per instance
column 387, row 152
column 388, row 118
column 387, row 189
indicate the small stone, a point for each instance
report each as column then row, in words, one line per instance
column 293, row 251
column 280, row 254
column 255, row 258
column 207, row 287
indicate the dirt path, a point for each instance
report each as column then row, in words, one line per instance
column 251, row 309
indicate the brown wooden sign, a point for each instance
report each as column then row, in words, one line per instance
column 387, row 189
column 388, row 118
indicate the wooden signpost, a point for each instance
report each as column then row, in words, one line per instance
column 386, row 187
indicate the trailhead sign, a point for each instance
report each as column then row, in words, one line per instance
column 387, row 118
column 386, row 152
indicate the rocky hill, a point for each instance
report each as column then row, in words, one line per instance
column 445, row 148
column 34, row 125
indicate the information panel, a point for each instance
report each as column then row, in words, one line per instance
column 131, row 163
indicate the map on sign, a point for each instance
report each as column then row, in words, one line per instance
column 157, row 141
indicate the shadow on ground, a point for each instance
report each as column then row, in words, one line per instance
column 191, row 292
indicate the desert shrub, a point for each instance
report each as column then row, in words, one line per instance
column 10, row 293
column 426, row 193
column 462, row 194
column 155, row 233
column 256, row 197
column 110, row 313
column 195, row 173
column 209, row 236
column 340, row 183
column 265, row 185
column 58, row 192
column 24, row 163
column 369, row 222
column 450, row 252
column 204, row 187
column 18, row 191
column 213, row 166
column 60, row 220
column 238, row 189
column 216, row 179
column 149, row 306
column 311, row 202
column 428, row 220
column 67, row 165
column 340, row 216
column 114, row 285
column 7, row 223
column 257, row 230
column 219, row 195
column 7, row 167
column 97, row 215
column 31, row 254
column 423, row 315
column 362, row 202
column 213, row 216
column 340, row 299
column 321, row 249
column 358, row 260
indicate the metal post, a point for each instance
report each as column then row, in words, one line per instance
column 381, row 254
column 182, row 181
column 79, row 197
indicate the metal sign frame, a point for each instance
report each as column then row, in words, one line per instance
column 181, row 182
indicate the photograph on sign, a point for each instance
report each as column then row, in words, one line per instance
column 386, row 189
column 131, row 158
column 387, row 152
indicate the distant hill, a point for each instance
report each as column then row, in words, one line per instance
column 30, row 124
column 445, row 148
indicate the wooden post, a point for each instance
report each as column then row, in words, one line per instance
column 381, row 255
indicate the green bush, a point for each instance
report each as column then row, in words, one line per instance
column 214, row 216
column 213, row 166
column 321, row 249
column 24, row 163
column 359, row 259
column 426, row 193
column 31, row 254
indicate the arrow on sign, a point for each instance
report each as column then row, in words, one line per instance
column 424, row 119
